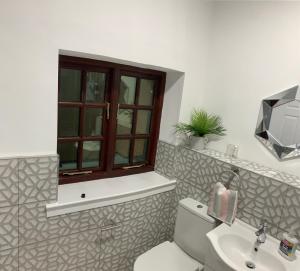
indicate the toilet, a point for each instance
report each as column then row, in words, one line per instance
column 187, row 252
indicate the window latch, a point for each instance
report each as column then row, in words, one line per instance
column 107, row 110
column 136, row 166
column 118, row 110
column 77, row 173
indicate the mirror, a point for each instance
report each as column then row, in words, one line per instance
column 278, row 125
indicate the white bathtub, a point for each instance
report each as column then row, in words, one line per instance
column 105, row 192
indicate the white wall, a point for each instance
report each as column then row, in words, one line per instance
column 33, row 31
column 232, row 54
column 254, row 52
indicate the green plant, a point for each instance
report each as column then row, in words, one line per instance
column 201, row 124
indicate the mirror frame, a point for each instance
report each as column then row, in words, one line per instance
column 262, row 133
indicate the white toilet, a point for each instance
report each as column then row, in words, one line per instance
column 187, row 252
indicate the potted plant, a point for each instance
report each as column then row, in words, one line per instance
column 201, row 125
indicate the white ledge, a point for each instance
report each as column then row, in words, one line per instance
column 105, row 192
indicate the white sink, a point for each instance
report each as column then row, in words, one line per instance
column 232, row 247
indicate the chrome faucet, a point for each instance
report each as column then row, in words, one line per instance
column 261, row 235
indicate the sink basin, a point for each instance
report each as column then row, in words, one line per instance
column 233, row 247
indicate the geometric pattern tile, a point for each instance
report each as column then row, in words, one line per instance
column 38, row 179
column 87, row 267
column 291, row 212
column 148, row 230
column 261, row 197
column 186, row 190
column 68, row 252
column 8, row 182
column 34, row 226
column 125, row 260
column 132, row 209
column 257, row 168
column 78, row 241
column 8, row 227
column 9, row 260
column 164, row 163
column 262, row 191
column 122, row 239
column 202, row 172
column 94, row 266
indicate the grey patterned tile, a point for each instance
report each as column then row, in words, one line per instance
column 291, row 211
column 8, row 227
column 38, row 179
column 145, row 230
column 259, row 169
column 87, row 267
column 8, row 182
column 261, row 197
column 65, row 253
column 120, row 240
column 255, row 221
column 110, row 264
column 186, row 190
column 132, row 209
column 36, row 227
column 202, row 173
column 164, row 163
column 9, row 260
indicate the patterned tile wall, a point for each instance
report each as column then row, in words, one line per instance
column 263, row 192
column 164, row 163
column 81, row 241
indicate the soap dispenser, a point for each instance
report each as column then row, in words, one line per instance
column 288, row 245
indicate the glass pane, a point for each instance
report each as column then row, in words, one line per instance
column 127, row 90
column 67, row 155
column 143, row 121
column 70, row 85
column 122, row 151
column 146, row 92
column 68, row 121
column 91, row 154
column 124, row 121
column 140, row 150
column 95, row 87
column 93, row 121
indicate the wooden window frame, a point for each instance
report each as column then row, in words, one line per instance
column 113, row 73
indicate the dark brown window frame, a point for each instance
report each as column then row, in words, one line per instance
column 114, row 72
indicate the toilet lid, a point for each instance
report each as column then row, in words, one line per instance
column 166, row 257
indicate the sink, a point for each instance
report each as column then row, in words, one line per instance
column 232, row 248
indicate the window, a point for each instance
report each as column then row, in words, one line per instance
column 108, row 119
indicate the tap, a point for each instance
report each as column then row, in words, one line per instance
column 261, row 235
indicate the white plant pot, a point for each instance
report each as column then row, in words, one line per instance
column 198, row 143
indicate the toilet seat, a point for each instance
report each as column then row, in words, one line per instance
column 166, row 257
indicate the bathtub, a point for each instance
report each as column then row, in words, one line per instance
column 93, row 194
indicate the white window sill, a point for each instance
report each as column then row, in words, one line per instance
column 105, row 192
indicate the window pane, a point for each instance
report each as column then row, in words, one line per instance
column 124, row 121
column 67, row 155
column 146, row 92
column 70, row 85
column 93, row 121
column 91, row 154
column 143, row 121
column 95, row 87
column 127, row 90
column 140, row 150
column 122, row 151
column 68, row 121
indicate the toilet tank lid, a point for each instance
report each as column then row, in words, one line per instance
column 196, row 208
